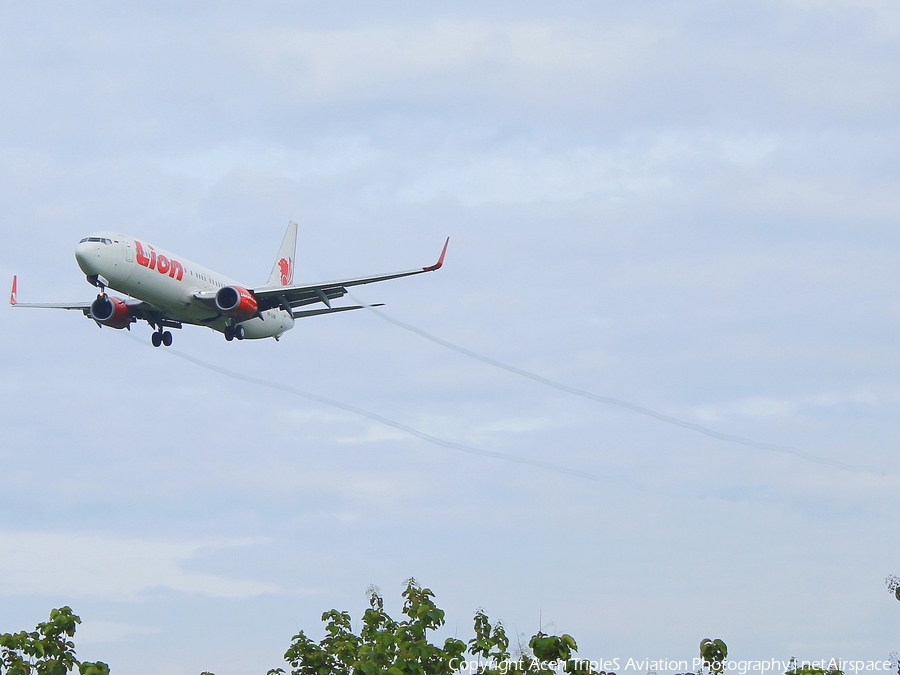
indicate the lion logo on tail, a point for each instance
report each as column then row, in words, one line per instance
column 287, row 271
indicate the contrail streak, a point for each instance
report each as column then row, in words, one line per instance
column 399, row 425
column 615, row 401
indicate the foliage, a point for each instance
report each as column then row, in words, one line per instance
column 490, row 642
column 47, row 650
column 385, row 646
column 550, row 649
column 893, row 584
column 713, row 653
column 796, row 668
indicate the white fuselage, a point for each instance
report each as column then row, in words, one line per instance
column 169, row 282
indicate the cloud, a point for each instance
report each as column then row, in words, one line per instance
column 108, row 567
column 441, row 56
column 102, row 632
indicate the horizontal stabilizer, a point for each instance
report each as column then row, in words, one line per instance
column 299, row 314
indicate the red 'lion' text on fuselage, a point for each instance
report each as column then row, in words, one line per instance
column 161, row 263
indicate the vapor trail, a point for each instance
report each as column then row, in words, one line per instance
column 399, row 425
column 615, row 401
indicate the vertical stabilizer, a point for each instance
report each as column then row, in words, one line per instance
column 283, row 270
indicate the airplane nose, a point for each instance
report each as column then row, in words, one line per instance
column 86, row 255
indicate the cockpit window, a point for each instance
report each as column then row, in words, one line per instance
column 101, row 240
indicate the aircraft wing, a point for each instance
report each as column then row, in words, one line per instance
column 83, row 306
column 14, row 301
column 137, row 308
column 289, row 297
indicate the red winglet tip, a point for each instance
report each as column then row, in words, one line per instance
column 440, row 261
column 13, row 293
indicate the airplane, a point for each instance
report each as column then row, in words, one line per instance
column 169, row 291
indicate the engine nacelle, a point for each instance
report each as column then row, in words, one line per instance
column 111, row 312
column 236, row 302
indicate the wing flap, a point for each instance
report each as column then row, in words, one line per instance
column 83, row 306
column 299, row 314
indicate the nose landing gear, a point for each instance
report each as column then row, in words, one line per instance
column 98, row 281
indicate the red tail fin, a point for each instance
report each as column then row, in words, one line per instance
column 12, row 293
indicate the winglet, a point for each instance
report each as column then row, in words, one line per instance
column 437, row 265
column 12, row 293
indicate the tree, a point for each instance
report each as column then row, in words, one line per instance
column 795, row 668
column 893, row 584
column 47, row 650
column 383, row 644
column 712, row 654
column 401, row 647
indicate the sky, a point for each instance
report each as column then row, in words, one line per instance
column 688, row 207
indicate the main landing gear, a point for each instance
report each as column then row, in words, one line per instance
column 232, row 332
column 161, row 337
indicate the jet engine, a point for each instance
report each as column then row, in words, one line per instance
column 236, row 302
column 111, row 312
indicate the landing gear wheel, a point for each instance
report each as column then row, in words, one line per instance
column 229, row 333
column 239, row 332
column 156, row 339
column 167, row 339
